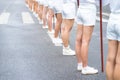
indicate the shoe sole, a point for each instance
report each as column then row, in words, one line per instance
column 89, row 73
column 69, row 54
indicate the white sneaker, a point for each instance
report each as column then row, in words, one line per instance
column 27, row 5
column 34, row 13
column 89, row 70
column 40, row 22
column 68, row 51
column 79, row 68
column 45, row 27
column 51, row 32
column 57, row 41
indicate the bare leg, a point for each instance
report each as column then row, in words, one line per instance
column 50, row 17
column 44, row 16
column 40, row 11
column 79, row 42
column 110, row 65
column 66, row 28
column 58, row 24
column 117, row 65
column 87, row 33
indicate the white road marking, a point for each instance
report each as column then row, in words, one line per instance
column 105, row 14
column 103, row 20
column 4, row 17
column 27, row 19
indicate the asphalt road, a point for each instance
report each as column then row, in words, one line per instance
column 27, row 52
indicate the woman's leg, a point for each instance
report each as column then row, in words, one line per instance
column 78, row 43
column 117, row 65
column 110, row 64
column 67, row 25
column 87, row 33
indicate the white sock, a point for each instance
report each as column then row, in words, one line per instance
column 79, row 64
column 66, row 47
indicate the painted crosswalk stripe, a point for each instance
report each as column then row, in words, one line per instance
column 27, row 19
column 4, row 17
column 104, row 14
column 103, row 19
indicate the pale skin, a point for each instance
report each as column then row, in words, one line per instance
column 40, row 10
column 50, row 17
column 31, row 4
column 45, row 9
column 58, row 24
column 83, row 37
column 36, row 7
column 113, row 60
column 66, row 28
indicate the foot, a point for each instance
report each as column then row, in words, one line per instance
column 89, row 70
column 68, row 51
column 57, row 41
column 45, row 27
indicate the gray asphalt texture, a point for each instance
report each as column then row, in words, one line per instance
column 27, row 52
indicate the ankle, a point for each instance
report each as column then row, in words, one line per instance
column 80, row 64
column 66, row 47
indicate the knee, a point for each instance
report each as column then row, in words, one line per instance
column 50, row 18
column 78, row 39
column 62, row 28
column 110, row 59
column 85, row 42
column 59, row 21
column 117, row 60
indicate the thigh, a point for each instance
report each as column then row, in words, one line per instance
column 79, row 32
column 118, row 54
column 87, row 33
column 50, row 12
column 112, row 50
column 58, row 16
column 68, row 23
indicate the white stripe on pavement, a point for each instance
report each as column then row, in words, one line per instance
column 104, row 14
column 27, row 19
column 4, row 17
column 103, row 20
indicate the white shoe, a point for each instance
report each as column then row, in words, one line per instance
column 51, row 32
column 79, row 67
column 27, row 5
column 45, row 27
column 38, row 18
column 40, row 22
column 57, row 41
column 68, row 51
column 34, row 13
column 89, row 70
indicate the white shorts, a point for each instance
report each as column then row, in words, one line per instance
column 86, row 14
column 57, row 8
column 69, row 10
column 41, row 2
column 113, row 27
column 45, row 3
column 37, row 1
column 50, row 4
